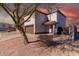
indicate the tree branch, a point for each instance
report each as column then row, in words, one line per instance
column 17, row 6
column 2, row 5
column 26, row 9
column 8, row 8
column 31, row 13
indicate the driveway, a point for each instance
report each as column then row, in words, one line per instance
column 8, row 35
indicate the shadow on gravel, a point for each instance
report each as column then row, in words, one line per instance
column 48, row 40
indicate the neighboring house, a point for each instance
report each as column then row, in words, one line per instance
column 6, row 26
column 42, row 22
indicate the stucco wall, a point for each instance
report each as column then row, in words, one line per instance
column 58, row 17
column 61, row 20
column 39, row 20
column 52, row 17
column 31, row 21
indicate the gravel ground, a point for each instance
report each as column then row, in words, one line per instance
column 16, row 47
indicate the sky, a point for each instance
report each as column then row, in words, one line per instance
column 72, row 13
column 71, row 10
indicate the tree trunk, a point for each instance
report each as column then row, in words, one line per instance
column 21, row 30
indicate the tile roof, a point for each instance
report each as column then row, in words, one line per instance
column 47, row 11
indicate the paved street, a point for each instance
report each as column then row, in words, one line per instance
column 8, row 35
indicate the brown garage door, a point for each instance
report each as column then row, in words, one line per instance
column 30, row 29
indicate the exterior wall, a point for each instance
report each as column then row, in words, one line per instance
column 39, row 20
column 29, row 25
column 61, row 20
column 53, row 17
column 31, row 21
column 36, row 20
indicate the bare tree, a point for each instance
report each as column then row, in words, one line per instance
column 17, row 12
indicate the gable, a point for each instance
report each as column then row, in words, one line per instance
column 58, row 11
column 52, row 17
column 31, row 21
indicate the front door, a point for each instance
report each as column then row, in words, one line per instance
column 52, row 29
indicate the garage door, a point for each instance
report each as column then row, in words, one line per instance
column 30, row 29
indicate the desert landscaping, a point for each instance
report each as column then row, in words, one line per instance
column 38, row 29
column 12, row 44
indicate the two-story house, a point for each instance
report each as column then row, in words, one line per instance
column 45, row 21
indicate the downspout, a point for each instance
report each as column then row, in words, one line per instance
column 34, row 21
